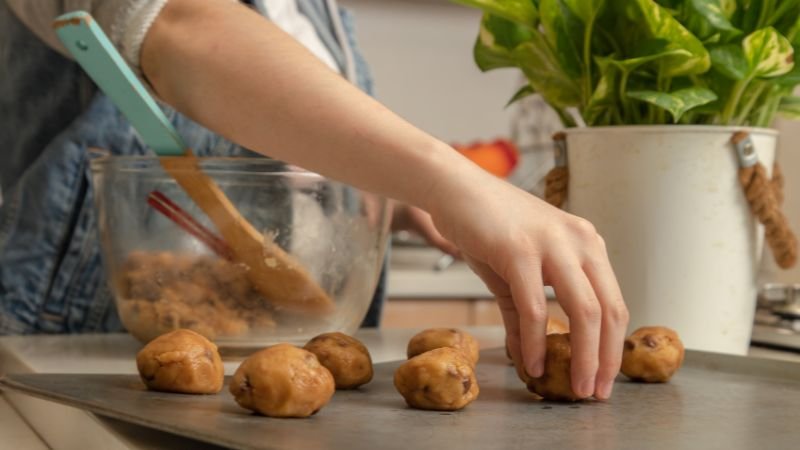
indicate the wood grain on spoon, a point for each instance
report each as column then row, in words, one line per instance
column 279, row 277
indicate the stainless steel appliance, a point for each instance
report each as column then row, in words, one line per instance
column 777, row 322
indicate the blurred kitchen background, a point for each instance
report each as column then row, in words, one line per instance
column 420, row 53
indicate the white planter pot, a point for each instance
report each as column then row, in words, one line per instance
column 680, row 235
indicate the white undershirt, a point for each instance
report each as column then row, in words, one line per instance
column 286, row 16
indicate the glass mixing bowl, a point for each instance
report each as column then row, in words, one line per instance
column 164, row 277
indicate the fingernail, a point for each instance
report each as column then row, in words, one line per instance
column 604, row 390
column 536, row 370
column 586, row 388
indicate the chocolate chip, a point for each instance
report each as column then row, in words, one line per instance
column 467, row 383
column 629, row 344
column 650, row 341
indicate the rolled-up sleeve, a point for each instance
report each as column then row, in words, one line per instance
column 125, row 21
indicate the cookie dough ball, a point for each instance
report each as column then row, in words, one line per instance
column 345, row 357
column 442, row 379
column 181, row 361
column 434, row 338
column 282, row 381
column 652, row 354
column 555, row 383
column 554, row 326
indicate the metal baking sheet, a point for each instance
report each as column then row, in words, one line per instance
column 715, row 401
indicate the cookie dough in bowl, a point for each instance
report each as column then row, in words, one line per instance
column 181, row 361
column 442, row 379
column 652, row 354
column 434, row 338
column 282, row 381
column 344, row 356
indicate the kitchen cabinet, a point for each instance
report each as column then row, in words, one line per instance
column 448, row 312
column 438, row 312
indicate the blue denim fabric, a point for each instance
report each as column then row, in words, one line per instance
column 51, row 277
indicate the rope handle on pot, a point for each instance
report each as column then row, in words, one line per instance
column 557, row 180
column 765, row 197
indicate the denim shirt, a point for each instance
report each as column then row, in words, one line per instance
column 51, row 276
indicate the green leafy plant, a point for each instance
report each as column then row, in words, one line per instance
column 615, row 62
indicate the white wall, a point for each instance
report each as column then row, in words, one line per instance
column 421, row 58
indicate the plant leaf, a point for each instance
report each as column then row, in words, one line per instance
column 539, row 63
column 768, row 53
column 677, row 102
column 660, row 24
column 729, row 60
column 587, row 10
column 564, row 32
column 631, row 64
column 790, row 107
column 497, row 37
column 751, row 12
column 520, row 11
column 791, row 78
column 785, row 15
column 603, row 98
column 521, row 93
column 717, row 13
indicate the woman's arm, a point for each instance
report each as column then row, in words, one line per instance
column 238, row 74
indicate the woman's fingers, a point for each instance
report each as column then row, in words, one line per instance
column 578, row 299
column 499, row 288
column 527, row 293
column 410, row 218
column 614, row 322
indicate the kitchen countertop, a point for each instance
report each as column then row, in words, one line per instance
column 63, row 427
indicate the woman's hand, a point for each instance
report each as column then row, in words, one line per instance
column 410, row 218
column 517, row 244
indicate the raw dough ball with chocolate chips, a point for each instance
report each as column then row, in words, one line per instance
column 652, row 354
column 181, row 361
column 434, row 338
column 441, row 379
column 282, row 381
column 346, row 357
column 554, row 326
column 555, row 383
